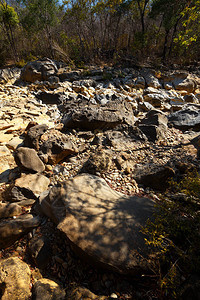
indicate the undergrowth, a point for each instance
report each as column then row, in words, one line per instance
column 174, row 236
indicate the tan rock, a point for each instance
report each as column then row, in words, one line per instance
column 15, row 279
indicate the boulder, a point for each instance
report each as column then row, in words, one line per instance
column 150, row 79
column 9, row 74
column 102, row 224
column 187, row 84
column 12, row 230
column 186, row 118
column 9, row 210
column 88, row 116
column 28, row 160
column 46, row 289
column 29, row 187
column 15, row 279
column 38, row 70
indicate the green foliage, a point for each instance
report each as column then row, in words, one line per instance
column 174, row 235
column 8, row 15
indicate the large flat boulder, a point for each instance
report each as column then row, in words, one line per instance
column 89, row 116
column 102, row 224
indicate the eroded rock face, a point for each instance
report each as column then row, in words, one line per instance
column 15, row 279
column 38, row 70
column 102, row 224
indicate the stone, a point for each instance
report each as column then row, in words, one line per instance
column 155, row 117
column 100, row 161
column 40, row 250
column 51, row 97
column 33, row 136
column 89, row 116
column 156, row 178
column 5, row 138
column 9, row 74
column 9, row 210
column 56, row 145
column 46, row 289
column 140, row 83
column 102, row 224
column 15, row 279
column 15, row 143
column 187, row 84
column 153, row 132
column 29, row 187
column 38, row 70
column 12, row 230
column 186, row 118
column 28, row 160
column 4, row 151
column 82, row 293
column 150, row 79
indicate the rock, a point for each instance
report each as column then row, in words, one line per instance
column 51, row 98
column 15, row 143
column 56, row 145
column 74, row 75
column 100, row 161
column 102, row 224
column 89, row 116
column 9, row 74
column 150, row 79
column 33, row 136
column 188, row 85
column 156, row 178
column 40, row 251
column 4, row 151
column 12, row 230
column 82, row 293
column 154, row 125
column 46, row 289
column 15, row 279
column 140, row 83
column 28, row 160
column 186, row 118
column 29, row 187
column 153, row 132
column 9, row 210
column 38, row 70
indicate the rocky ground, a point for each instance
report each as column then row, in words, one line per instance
column 84, row 156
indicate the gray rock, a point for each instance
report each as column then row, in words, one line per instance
column 150, row 79
column 9, row 210
column 12, row 230
column 27, row 159
column 40, row 250
column 102, row 224
column 153, row 132
column 56, row 145
column 46, row 289
column 186, row 118
column 88, row 116
column 15, row 279
column 51, row 98
column 188, row 85
column 39, row 70
column 33, row 136
column 29, row 187
column 156, row 178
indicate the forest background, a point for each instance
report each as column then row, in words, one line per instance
column 95, row 31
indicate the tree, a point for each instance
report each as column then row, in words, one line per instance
column 9, row 20
column 41, row 16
